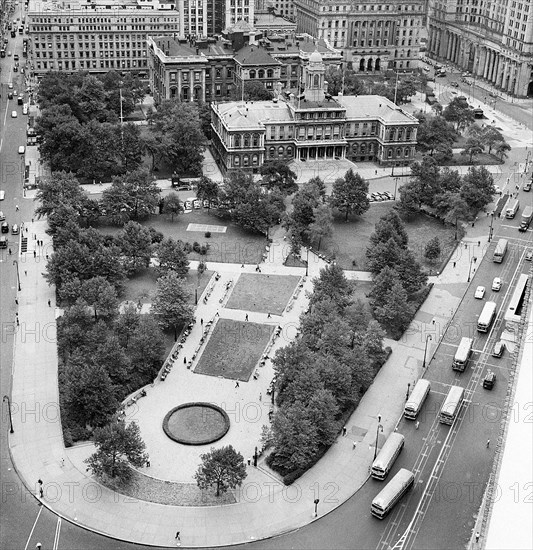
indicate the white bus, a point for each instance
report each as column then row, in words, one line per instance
column 512, row 209
column 451, row 406
column 486, row 317
column 388, row 454
column 416, row 399
column 500, row 251
column 392, row 493
column 462, row 355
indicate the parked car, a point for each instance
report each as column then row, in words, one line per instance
column 480, row 292
column 498, row 349
column 14, row 114
column 2, row 217
column 454, row 84
column 527, row 186
column 25, row 109
column 9, row 95
column 5, row 227
column 529, row 255
column 390, row 196
column 196, row 203
column 2, row 195
column 489, row 380
column 15, row 229
column 496, row 284
column 22, row 149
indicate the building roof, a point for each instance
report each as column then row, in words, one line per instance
column 269, row 20
column 252, row 114
column 255, row 56
column 374, row 106
column 241, row 26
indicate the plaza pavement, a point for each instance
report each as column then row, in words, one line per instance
column 264, row 506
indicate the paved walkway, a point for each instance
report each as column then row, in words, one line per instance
column 37, row 445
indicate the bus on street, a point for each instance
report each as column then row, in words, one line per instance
column 462, row 355
column 416, row 399
column 451, row 406
column 487, row 316
column 392, row 493
column 500, row 251
column 388, row 454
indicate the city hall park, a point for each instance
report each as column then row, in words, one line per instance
column 350, row 240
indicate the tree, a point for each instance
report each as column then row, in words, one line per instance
column 322, row 227
column 389, row 226
column 432, row 250
column 200, row 270
column 373, row 344
column 382, row 255
column 473, row 147
column 383, row 283
column 145, row 348
column 117, row 447
column 131, row 146
column 90, row 397
column 133, row 196
column 459, row 113
column 135, row 243
column 478, row 188
column 276, row 173
column 456, row 208
column 207, row 190
column 251, row 90
column 425, row 179
column 101, row 296
column 396, row 312
column 177, row 126
column 491, row 136
column 222, row 467
column 434, row 132
column 412, row 277
column 332, row 284
column 172, row 205
column 349, row 194
column 501, row 148
column 172, row 256
column 61, row 189
column 171, row 303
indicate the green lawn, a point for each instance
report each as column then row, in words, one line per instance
column 350, row 239
column 262, row 293
column 234, row 349
column 236, row 245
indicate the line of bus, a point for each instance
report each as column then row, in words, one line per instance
column 514, row 311
column 416, row 399
column 452, row 405
column 500, row 251
column 388, row 454
column 392, row 493
column 487, row 316
column 463, row 353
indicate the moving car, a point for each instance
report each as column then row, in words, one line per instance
column 498, row 349
column 22, row 149
column 25, row 109
column 454, row 84
column 496, row 284
column 2, row 195
column 14, row 114
column 2, row 217
column 527, row 186
column 10, row 86
column 15, row 229
column 529, row 255
column 5, row 227
column 10, row 95
column 480, row 292
column 489, row 380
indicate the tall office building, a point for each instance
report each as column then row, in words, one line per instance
column 374, row 35
column 492, row 39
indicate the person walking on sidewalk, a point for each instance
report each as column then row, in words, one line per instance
column 488, row 443
column 177, row 537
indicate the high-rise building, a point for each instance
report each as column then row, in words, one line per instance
column 374, row 35
column 491, row 39
column 96, row 35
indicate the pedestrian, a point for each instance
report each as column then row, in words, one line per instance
column 376, row 172
column 477, row 536
column 237, row 384
column 148, row 463
column 479, row 243
column 38, row 546
column 18, row 322
column 47, row 256
column 246, row 318
column 26, row 229
column 16, row 207
column 473, row 223
column 260, row 397
column 40, row 481
column 454, row 264
column 62, row 463
column 41, row 492
column 466, row 245
column 185, row 360
column 32, row 220
column 34, row 254
column 475, row 259
column 201, row 321
column 269, row 316
column 433, row 321
column 344, row 431
column 25, row 273
column 49, row 303
column 217, row 314
column 417, row 425
column 177, row 537
column 10, row 252
column 242, row 266
column 354, row 445
column 488, row 443
column 16, row 301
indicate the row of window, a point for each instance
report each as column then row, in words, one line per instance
column 107, row 64
column 101, row 45
column 261, row 73
column 62, row 20
column 89, row 55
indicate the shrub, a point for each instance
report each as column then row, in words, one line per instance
column 207, row 234
column 196, row 246
column 203, row 250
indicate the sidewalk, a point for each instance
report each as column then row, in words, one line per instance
column 37, row 444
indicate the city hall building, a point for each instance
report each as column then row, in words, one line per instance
column 312, row 126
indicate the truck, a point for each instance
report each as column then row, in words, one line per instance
column 527, row 214
column 500, row 251
column 512, row 209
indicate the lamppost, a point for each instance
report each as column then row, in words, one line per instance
column 428, row 337
column 15, row 262
column 307, row 263
column 6, row 398
column 316, row 501
column 470, row 269
column 120, row 84
column 396, row 178
column 378, row 429
column 408, row 388
column 490, row 228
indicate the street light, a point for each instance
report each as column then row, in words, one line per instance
column 316, row 501
column 395, row 185
column 408, row 388
column 307, row 263
column 378, row 429
column 490, row 228
column 428, row 337
column 15, row 262
column 6, row 398
column 470, row 269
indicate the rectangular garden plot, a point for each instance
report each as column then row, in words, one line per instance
column 262, row 293
column 234, row 349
